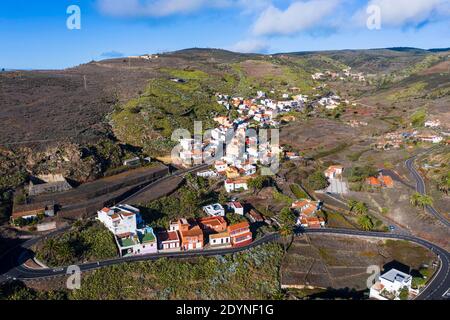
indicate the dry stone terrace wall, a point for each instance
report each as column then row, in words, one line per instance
column 105, row 186
column 90, row 197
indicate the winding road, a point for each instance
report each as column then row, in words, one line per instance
column 420, row 187
column 435, row 289
column 12, row 262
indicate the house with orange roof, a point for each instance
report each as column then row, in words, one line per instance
column 223, row 120
column 307, row 210
column 121, row 219
column 373, row 182
column 387, row 181
column 222, row 239
column 291, row 155
column 240, row 234
column 232, row 173
column 310, row 222
column 31, row 211
column 255, row 216
column 169, row 241
column 213, row 224
column 191, row 234
column 306, row 206
column 334, row 172
column 381, row 181
column 130, row 233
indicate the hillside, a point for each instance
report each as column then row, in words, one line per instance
column 131, row 105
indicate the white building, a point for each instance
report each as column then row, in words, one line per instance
column 207, row 174
column 334, row 171
column 432, row 139
column 214, row 210
column 432, row 123
column 237, row 208
column 187, row 144
column 249, row 169
column 122, row 219
column 131, row 236
column 221, row 166
column 390, row 284
column 235, row 185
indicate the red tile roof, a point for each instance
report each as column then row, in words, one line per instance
column 237, row 204
column 168, row 236
column 387, row 181
column 219, row 235
column 373, row 181
column 241, row 225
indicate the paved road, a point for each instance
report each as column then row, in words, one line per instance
column 15, row 256
column 440, row 283
column 21, row 272
column 388, row 222
column 435, row 290
column 151, row 185
column 12, row 262
column 420, row 187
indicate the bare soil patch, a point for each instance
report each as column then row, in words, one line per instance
column 322, row 261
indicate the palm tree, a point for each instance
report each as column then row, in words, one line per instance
column 287, row 225
column 444, row 184
column 421, row 200
column 414, row 199
column 361, row 208
column 366, row 223
column 351, row 204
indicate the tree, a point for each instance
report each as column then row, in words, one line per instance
column 317, row 181
column 444, row 183
column 366, row 223
column 359, row 174
column 358, row 207
column 190, row 202
column 287, row 224
column 421, row 200
column 259, row 183
column 222, row 198
column 361, row 208
column 351, row 204
column 404, row 293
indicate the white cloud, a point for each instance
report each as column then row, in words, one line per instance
column 401, row 12
column 250, row 46
column 299, row 16
column 162, row 8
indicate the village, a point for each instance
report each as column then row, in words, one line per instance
column 134, row 237
column 243, row 147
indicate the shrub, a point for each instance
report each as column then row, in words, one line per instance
column 317, row 181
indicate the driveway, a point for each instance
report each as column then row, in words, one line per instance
column 337, row 186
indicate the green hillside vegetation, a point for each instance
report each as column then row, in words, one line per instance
column 418, row 118
column 414, row 90
column 426, row 63
column 319, row 62
column 165, row 105
column 252, row 274
column 271, row 74
column 249, row 275
column 87, row 241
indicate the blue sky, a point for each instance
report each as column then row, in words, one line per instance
column 34, row 34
